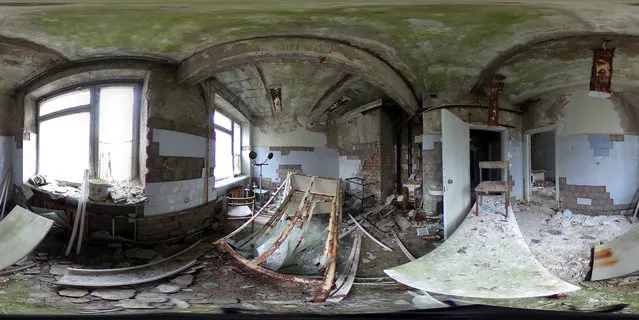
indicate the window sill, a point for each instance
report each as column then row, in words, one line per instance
column 220, row 184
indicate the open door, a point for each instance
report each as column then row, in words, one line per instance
column 455, row 171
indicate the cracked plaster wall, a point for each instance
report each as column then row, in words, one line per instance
column 596, row 146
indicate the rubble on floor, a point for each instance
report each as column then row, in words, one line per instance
column 119, row 193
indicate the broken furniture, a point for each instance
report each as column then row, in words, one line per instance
column 100, row 278
column 493, row 187
column 122, row 215
column 20, row 232
column 486, row 257
column 362, row 195
column 292, row 235
column 238, row 207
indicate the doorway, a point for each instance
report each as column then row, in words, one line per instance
column 484, row 146
column 541, row 176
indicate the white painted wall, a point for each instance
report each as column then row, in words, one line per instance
column 516, row 158
column 172, row 196
column 179, row 144
column 320, row 162
column 298, row 137
column 619, row 171
column 584, row 114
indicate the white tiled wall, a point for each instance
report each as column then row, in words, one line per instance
column 179, row 144
column 172, row 196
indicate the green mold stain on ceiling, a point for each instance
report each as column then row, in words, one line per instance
column 413, row 39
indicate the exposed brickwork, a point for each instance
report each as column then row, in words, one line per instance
column 287, row 150
column 177, row 224
column 601, row 202
column 178, row 126
column 616, row 137
column 173, row 168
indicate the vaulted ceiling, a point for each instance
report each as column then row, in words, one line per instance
column 434, row 45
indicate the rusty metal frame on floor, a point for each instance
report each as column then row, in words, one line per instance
column 300, row 219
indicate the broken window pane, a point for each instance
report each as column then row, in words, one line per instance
column 116, row 133
column 223, row 155
column 65, row 101
column 223, row 121
column 64, row 147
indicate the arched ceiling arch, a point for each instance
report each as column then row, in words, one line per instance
column 557, row 61
column 207, row 63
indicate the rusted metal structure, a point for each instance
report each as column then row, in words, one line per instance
column 601, row 74
column 496, row 86
column 286, row 232
column 616, row 258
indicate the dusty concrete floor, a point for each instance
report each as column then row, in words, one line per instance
column 220, row 283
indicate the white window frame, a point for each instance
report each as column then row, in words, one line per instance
column 231, row 132
column 93, row 109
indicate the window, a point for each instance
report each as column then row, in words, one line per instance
column 228, row 144
column 92, row 128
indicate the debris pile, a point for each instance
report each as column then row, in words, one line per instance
column 119, row 193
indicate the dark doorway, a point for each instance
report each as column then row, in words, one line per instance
column 542, row 165
column 484, row 146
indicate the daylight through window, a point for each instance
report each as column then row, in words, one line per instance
column 227, row 147
column 92, row 128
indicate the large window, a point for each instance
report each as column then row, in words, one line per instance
column 228, row 162
column 91, row 128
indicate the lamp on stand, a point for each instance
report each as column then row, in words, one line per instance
column 253, row 156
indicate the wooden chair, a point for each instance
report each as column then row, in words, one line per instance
column 492, row 187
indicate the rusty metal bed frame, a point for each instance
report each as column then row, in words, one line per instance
column 302, row 215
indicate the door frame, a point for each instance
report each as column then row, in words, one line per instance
column 504, row 137
column 528, row 160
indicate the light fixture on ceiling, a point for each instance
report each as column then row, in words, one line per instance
column 601, row 74
column 336, row 104
column 276, row 97
column 496, row 86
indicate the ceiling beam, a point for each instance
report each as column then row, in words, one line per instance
column 359, row 110
column 265, row 88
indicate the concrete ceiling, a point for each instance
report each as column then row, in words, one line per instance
column 436, row 46
column 307, row 87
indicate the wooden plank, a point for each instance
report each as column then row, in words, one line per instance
column 492, row 186
column 493, row 164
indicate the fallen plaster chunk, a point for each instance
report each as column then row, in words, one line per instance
column 57, row 270
column 180, row 304
column 133, row 304
column 389, row 199
column 151, row 297
column 183, row 280
column 168, row 288
column 210, row 285
column 567, row 213
column 486, row 257
column 590, row 223
column 20, row 232
column 113, row 294
column 73, row 292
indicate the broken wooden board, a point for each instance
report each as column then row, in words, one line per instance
column 21, row 232
column 616, row 258
column 102, row 278
column 487, row 257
